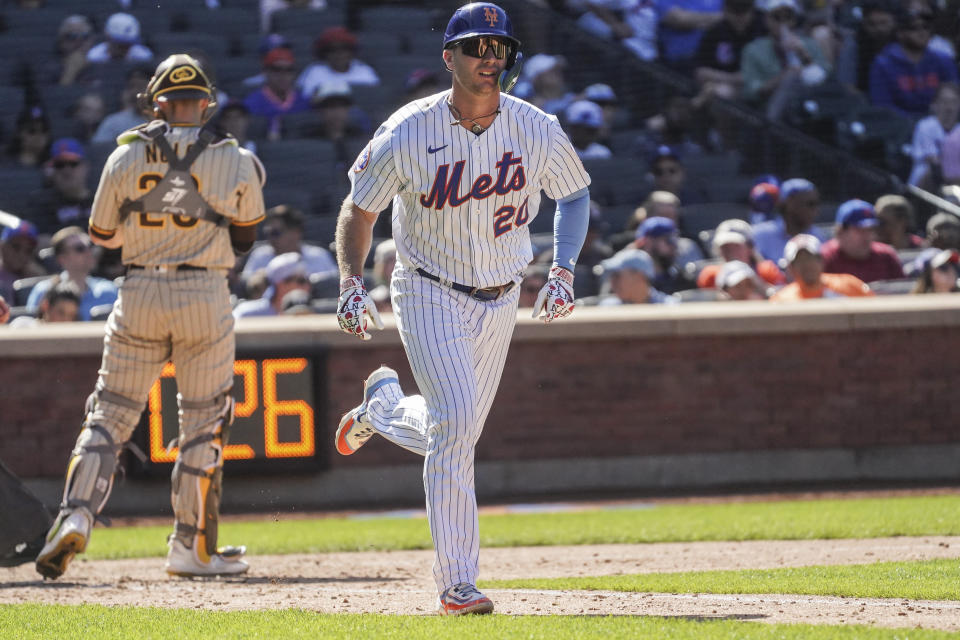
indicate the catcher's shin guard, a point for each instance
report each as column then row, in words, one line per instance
column 197, row 479
column 90, row 471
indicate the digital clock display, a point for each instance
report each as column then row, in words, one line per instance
column 275, row 428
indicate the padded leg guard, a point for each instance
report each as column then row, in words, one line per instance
column 90, row 472
column 197, row 479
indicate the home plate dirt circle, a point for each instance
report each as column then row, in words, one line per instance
column 398, row 582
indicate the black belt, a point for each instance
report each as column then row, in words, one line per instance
column 166, row 267
column 487, row 294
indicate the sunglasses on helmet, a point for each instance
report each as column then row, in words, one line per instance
column 477, row 47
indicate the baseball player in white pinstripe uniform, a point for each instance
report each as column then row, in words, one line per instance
column 464, row 169
column 181, row 200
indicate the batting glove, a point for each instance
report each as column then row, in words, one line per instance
column 556, row 297
column 355, row 307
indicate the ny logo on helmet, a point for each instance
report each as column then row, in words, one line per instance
column 491, row 16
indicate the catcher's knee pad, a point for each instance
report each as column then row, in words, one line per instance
column 198, row 474
column 90, row 471
column 120, row 413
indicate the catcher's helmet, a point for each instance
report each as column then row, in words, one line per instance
column 485, row 19
column 179, row 77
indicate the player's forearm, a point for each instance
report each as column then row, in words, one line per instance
column 570, row 228
column 354, row 237
column 107, row 239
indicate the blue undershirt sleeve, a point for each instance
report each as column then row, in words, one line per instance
column 570, row 228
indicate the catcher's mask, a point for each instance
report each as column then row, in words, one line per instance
column 179, row 77
column 479, row 19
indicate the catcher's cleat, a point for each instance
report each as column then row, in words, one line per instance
column 184, row 561
column 463, row 599
column 355, row 429
column 67, row 538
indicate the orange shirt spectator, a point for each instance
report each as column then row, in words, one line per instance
column 733, row 240
column 805, row 264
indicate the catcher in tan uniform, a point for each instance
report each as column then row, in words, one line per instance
column 182, row 201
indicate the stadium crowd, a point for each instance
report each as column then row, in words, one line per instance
column 310, row 72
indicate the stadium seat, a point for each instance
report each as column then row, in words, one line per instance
column 617, row 180
column 393, row 71
column 699, row 295
column 215, row 46
column 388, row 19
column 706, row 217
column 899, row 286
column 305, row 22
column 878, row 135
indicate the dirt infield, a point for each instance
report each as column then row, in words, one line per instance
column 399, row 582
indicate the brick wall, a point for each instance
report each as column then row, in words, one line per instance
column 649, row 387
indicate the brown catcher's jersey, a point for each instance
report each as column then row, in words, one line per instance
column 228, row 177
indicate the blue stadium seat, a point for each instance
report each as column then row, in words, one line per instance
column 305, row 22
column 389, row 19
column 215, row 46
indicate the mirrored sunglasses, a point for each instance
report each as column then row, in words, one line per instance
column 477, row 47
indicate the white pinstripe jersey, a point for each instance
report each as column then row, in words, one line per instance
column 462, row 203
column 230, row 179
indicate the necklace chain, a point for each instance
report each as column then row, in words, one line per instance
column 477, row 128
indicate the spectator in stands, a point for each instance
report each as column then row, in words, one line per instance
column 669, row 174
column 896, row 220
column 532, row 283
column 285, row 273
column 682, row 24
column 738, row 281
column 943, row 231
column 67, row 198
column 906, row 74
column 339, row 118
column 630, row 275
column 130, row 116
column 283, row 229
column 278, row 96
column 30, row 144
column 75, row 255
column 805, row 266
column 75, row 37
column 658, row 238
column 5, row 309
column 854, row 250
column 544, row 83
column 666, row 205
column 763, row 199
column 384, row 260
column 87, row 113
column 938, row 271
column 234, row 118
column 717, row 60
column 268, row 43
column 336, row 54
column 929, row 135
column 733, row 242
column 60, row 303
column 420, row 83
column 632, row 23
column 17, row 249
column 583, row 120
column 858, row 50
column 672, row 128
column 798, row 209
column 777, row 66
column 269, row 7
column 613, row 115
column 122, row 44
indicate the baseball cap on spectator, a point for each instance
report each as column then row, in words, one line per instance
column 856, row 213
column 67, row 149
column 541, row 63
column 25, row 229
column 729, row 236
column 333, row 91
column 764, row 197
column 279, row 58
column 773, row 5
column 419, row 77
column 123, row 28
column 75, row 26
column 334, row 38
column 632, row 259
column 656, row 227
column 664, row 151
column 600, row 93
column 273, row 41
column 584, row 113
column 940, row 220
column 935, row 258
column 734, row 225
column 733, row 273
column 798, row 243
column 794, row 186
column 285, row 265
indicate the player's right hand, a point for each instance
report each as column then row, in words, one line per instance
column 356, row 307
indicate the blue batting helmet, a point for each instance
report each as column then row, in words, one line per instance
column 479, row 19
